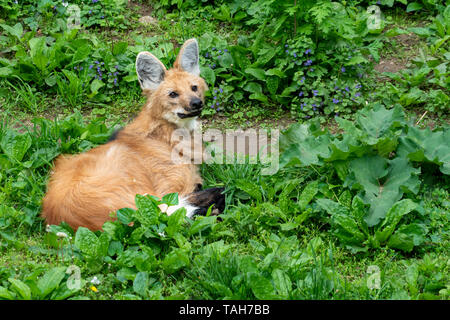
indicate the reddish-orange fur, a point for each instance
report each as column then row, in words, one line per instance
column 84, row 189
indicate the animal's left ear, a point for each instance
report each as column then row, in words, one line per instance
column 187, row 59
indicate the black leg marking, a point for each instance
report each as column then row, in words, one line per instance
column 205, row 198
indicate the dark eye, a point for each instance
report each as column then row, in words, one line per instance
column 194, row 88
column 173, row 94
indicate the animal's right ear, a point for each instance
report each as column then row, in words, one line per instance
column 150, row 70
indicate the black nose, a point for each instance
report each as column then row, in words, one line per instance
column 196, row 103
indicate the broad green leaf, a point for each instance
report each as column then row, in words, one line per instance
column 401, row 241
column 258, row 96
column 393, row 217
column 208, row 74
column 38, row 52
column 226, row 60
column 272, row 84
column 15, row 31
column 86, row 241
column 261, row 287
column 43, row 156
column 21, row 288
column 140, row 283
column 282, row 283
column 14, row 145
column 382, row 183
column 6, row 294
column 148, row 211
column 201, row 223
column 95, row 87
column 308, row 194
column 125, row 215
column 413, row 6
column 170, row 199
column 356, row 60
column 427, row 146
column 51, row 280
column 175, row 260
column 175, row 221
column 259, row 74
column 253, row 87
column 420, row 31
column 252, row 189
column 378, row 121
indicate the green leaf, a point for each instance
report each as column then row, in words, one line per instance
column 253, row 87
column 202, row 223
column 393, row 217
column 38, row 52
column 175, row 260
column 125, row 215
column 208, row 74
column 282, row 283
column 356, row 60
column 422, row 32
column 272, row 84
column 427, row 146
column 378, row 121
column 14, row 145
column 226, row 60
column 259, row 74
column 86, row 241
column 148, row 211
column 382, row 183
column 51, row 280
column 413, row 6
column 170, row 199
column 6, row 294
column 175, row 221
column 275, row 72
column 95, row 87
column 308, row 194
column 401, row 241
column 21, row 288
column 258, row 96
column 43, row 156
column 252, row 189
column 141, row 283
column 15, row 31
column 261, row 287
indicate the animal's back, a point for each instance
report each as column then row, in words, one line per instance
column 84, row 189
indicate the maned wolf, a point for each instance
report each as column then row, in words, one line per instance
column 84, row 189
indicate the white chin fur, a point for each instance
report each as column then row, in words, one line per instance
column 188, row 123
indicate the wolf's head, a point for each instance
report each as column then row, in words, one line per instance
column 177, row 94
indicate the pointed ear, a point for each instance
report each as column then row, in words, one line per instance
column 150, row 70
column 187, row 59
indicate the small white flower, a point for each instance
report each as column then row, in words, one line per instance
column 61, row 235
column 162, row 234
column 95, row 281
column 65, row 4
column 47, row 228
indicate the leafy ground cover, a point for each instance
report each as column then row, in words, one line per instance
column 358, row 210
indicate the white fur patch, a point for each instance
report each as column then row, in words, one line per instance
column 190, row 209
column 188, row 123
